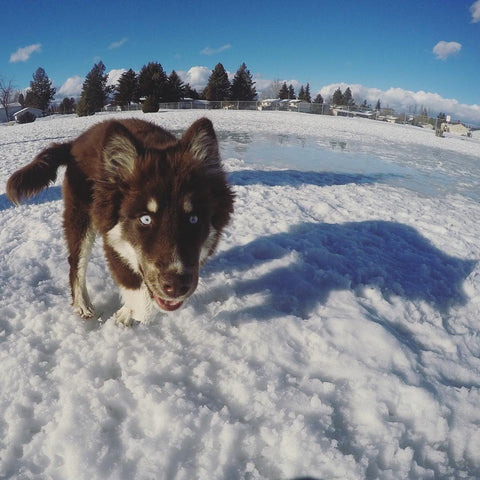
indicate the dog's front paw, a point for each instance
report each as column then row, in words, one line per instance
column 84, row 311
column 123, row 316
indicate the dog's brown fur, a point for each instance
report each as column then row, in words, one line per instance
column 159, row 203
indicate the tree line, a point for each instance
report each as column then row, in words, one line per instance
column 39, row 95
column 288, row 93
column 345, row 99
column 153, row 86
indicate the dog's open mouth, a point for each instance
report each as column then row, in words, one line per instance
column 168, row 305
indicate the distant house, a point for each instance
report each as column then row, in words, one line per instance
column 293, row 105
column 391, row 119
column 346, row 112
column 34, row 111
column 269, row 104
column 12, row 109
column 457, row 129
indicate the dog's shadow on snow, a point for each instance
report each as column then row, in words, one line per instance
column 298, row 269
column 50, row 194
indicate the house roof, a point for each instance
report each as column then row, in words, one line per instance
column 35, row 111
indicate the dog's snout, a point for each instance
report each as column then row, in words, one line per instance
column 177, row 285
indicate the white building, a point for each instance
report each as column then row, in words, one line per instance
column 12, row 109
column 34, row 111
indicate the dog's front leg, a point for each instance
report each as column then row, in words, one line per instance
column 78, row 260
column 137, row 306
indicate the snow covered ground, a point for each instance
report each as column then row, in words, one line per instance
column 334, row 335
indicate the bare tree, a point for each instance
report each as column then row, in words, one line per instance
column 7, row 91
column 272, row 90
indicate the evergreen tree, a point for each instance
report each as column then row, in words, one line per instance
column 301, row 93
column 126, row 90
column 94, row 91
column 243, row 88
column 218, row 87
column 365, row 105
column 153, row 81
column 175, row 88
column 67, row 106
column 348, row 98
column 378, row 106
column 41, row 92
column 21, row 100
column 318, row 99
column 283, row 92
column 150, row 105
column 291, row 92
column 337, row 98
column 190, row 92
column 308, row 97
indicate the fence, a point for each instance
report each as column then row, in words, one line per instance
column 386, row 115
column 287, row 105
column 272, row 105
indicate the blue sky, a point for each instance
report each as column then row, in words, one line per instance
column 383, row 47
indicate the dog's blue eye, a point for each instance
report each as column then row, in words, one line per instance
column 146, row 219
column 193, row 219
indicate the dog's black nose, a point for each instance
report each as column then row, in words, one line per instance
column 177, row 285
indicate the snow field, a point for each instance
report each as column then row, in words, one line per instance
column 333, row 335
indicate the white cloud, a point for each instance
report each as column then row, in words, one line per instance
column 475, row 11
column 443, row 50
column 261, row 84
column 269, row 88
column 23, row 54
column 407, row 101
column 294, row 83
column 114, row 75
column 118, row 44
column 213, row 51
column 197, row 77
column 72, row 87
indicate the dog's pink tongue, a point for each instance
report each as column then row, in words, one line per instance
column 168, row 305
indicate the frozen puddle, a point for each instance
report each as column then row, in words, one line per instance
column 425, row 171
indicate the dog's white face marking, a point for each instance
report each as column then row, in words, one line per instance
column 208, row 245
column 123, row 247
column 152, row 206
column 176, row 266
column 187, row 205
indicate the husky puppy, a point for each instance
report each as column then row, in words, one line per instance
column 159, row 203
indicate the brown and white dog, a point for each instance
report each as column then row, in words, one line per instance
column 159, row 203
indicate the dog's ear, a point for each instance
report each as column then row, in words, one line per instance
column 200, row 140
column 120, row 152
